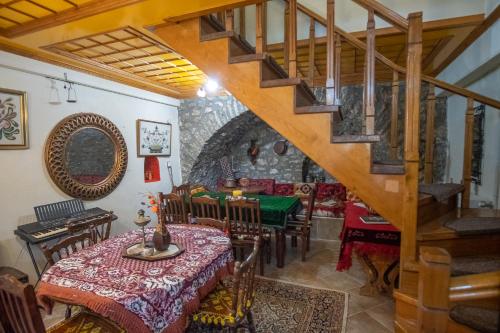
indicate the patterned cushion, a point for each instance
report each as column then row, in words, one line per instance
column 303, row 189
column 216, row 308
column 267, row 183
column 85, row 322
column 283, row 189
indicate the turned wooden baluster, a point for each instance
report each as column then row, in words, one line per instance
column 286, row 37
column 433, row 290
column 261, row 28
column 369, row 86
column 468, row 141
column 312, row 50
column 330, row 52
column 429, row 135
column 229, row 23
column 338, row 54
column 411, row 145
column 394, row 115
column 292, row 39
column 242, row 22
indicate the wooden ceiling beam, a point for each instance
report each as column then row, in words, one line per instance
column 57, row 18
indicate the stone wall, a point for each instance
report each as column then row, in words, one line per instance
column 214, row 127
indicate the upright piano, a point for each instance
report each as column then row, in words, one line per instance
column 52, row 222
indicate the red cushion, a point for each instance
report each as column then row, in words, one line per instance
column 267, row 183
column 283, row 189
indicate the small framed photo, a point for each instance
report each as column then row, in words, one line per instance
column 13, row 119
column 153, row 138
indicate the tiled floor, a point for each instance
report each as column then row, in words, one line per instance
column 365, row 314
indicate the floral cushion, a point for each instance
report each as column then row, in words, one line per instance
column 267, row 183
column 283, row 189
column 303, row 189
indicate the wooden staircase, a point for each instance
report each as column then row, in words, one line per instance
column 286, row 103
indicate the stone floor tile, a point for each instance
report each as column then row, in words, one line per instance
column 363, row 323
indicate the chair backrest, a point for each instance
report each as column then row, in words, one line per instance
column 172, row 209
column 310, row 206
column 215, row 223
column 243, row 216
column 244, row 283
column 101, row 226
column 18, row 307
column 205, row 207
column 69, row 245
column 182, row 190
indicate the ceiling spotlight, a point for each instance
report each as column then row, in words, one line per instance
column 201, row 92
column 212, row 85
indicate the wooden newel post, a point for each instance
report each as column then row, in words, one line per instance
column 411, row 143
column 312, row 50
column 395, row 116
column 429, row 135
column 286, row 38
column 330, row 52
column 369, row 86
column 229, row 20
column 433, row 290
column 338, row 61
column 292, row 39
column 468, row 141
column 261, row 28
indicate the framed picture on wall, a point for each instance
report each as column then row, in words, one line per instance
column 153, row 138
column 13, row 119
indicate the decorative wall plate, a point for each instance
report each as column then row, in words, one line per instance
column 280, row 147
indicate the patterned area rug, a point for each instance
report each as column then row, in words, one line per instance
column 283, row 307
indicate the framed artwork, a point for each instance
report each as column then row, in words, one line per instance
column 13, row 119
column 153, row 138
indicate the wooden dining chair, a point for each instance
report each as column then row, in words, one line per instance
column 205, row 207
column 229, row 306
column 302, row 228
column 244, row 221
column 19, row 313
column 182, row 190
column 69, row 245
column 102, row 227
column 172, row 209
column 214, row 223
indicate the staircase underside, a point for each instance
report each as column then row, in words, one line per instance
column 349, row 163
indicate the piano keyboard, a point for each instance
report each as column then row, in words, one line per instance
column 49, row 232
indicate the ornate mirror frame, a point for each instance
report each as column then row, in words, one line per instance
column 55, row 156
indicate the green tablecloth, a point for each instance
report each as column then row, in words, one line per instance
column 274, row 209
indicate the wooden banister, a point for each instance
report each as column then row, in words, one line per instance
column 261, row 28
column 468, row 142
column 369, row 84
column 330, row 52
column 394, row 116
column 475, row 287
column 337, row 71
column 292, row 39
column 229, row 23
column 286, row 38
column 385, row 13
column 312, row 50
column 429, row 135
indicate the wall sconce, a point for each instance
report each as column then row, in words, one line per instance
column 71, row 90
column 54, row 98
column 201, row 92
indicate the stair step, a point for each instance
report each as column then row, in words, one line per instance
column 319, row 108
column 475, row 264
column 388, row 167
column 209, row 25
column 355, row 138
column 441, row 192
column 216, row 35
column 271, row 70
column 238, row 46
column 480, row 319
column 280, row 82
column 247, row 58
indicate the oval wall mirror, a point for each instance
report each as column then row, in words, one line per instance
column 86, row 156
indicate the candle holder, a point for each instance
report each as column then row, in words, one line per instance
column 142, row 221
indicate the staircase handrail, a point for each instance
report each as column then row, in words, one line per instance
column 385, row 13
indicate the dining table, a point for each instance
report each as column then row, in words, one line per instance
column 275, row 211
column 141, row 296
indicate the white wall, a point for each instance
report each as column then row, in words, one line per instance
column 24, row 181
column 481, row 51
column 351, row 17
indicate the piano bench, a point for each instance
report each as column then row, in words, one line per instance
column 20, row 276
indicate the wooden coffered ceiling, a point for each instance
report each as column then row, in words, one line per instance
column 108, row 38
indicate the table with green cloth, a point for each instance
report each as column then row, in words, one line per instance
column 274, row 214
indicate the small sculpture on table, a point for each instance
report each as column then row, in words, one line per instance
column 142, row 221
column 161, row 236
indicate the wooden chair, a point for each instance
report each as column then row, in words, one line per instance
column 182, row 190
column 244, row 221
column 101, row 226
column 205, row 207
column 302, row 228
column 172, row 209
column 69, row 245
column 19, row 313
column 214, row 223
column 227, row 307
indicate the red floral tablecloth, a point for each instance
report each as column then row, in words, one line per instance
column 142, row 296
column 365, row 239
